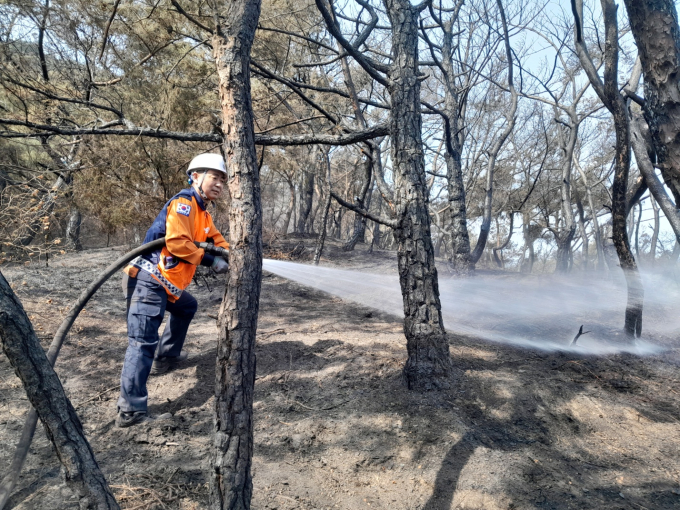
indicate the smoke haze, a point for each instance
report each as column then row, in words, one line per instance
column 541, row 312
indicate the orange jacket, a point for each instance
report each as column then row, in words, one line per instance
column 183, row 220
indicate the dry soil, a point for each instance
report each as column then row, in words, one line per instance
column 334, row 426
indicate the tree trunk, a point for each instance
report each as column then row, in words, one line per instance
column 654, row 24
column 289, row 211
column 616, row 105
column 655, row 233
column 363, row 200
column 429, row 362
column 375, row 238
column 324, row 218
column 566, row 234
column 608, row 92
column 231, row 485
column 593, row 212
column 495, row 150
column 527, row 264
column 500, row 247
column 73, row 228
column 46, row 394
column 306, row 199
column 563, row 255
column 637, row 231
column 459, row 260
column 582, row 228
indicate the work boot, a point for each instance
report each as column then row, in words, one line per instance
column 162, row 365
column 125, row 420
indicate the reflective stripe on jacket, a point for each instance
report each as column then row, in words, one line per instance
column 183, row 220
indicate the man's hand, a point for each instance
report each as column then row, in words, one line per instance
column 219, row 265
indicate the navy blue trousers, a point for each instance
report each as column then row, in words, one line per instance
column 147, row 302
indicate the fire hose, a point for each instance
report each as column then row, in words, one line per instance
column 10, row 480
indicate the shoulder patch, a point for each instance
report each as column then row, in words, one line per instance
column 184, row 209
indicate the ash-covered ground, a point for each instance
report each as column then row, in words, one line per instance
column 334, row 426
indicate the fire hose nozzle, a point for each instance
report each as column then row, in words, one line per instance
column 213, row 250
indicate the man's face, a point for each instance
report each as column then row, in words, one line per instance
column 213, row 183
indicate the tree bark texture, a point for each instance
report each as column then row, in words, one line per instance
column 429, row 362
column 231, row 485
column 47, row 396
column 459, row 259
column 655, row 186
column 454, row 105
column 654, row 24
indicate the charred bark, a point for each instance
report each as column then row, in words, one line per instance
column 654, row 24
column 429, row 362
column 47, row 396
column 231, row 485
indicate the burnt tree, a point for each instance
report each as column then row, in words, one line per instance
column 47, row 396
column 654, row 24
column 607, row 90
column 231, row 485
column 429, row 362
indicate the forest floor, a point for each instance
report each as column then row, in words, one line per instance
column 334, row 425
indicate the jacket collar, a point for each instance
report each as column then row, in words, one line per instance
column 199, row 199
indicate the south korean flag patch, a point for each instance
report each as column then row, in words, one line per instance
column 183, row 209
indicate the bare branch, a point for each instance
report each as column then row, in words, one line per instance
column 41, row 130
column 369, row 66
column 190, row 17
column 105, row 37
column 389, row 222
column 344, row 139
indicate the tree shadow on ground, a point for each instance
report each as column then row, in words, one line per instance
column 509, row 402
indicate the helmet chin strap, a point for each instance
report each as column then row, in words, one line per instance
column 200, row 188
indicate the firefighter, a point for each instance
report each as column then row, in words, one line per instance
column 155, row 283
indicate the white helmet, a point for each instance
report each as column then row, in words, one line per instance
column 205, row 162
